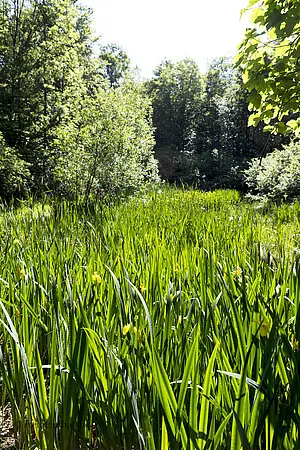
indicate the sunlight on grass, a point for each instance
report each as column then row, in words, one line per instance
column 168, row 321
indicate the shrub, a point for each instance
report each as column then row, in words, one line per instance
column 277, row 175
column 14, row 173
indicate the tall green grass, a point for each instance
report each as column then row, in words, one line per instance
column 166, row 322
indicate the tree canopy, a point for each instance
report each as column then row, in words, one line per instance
column 200, row 121
column 116, row 63
column 270, row 59
column 70, row 122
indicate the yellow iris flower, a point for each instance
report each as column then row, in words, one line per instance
column 96, row 278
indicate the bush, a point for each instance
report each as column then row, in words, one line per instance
column 14, row 173
column 277, row 175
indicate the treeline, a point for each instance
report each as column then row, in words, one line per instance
column 75, row 120
column 201, row 124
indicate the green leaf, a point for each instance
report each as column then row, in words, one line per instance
column 190, row 363
column 165, row 392
column 274, row 19
column 281, row 127
column 254, row 120
column 243, row 437
column 221, row 429
column 268, row 128
column 294, row 124
column 246, row 76
column 204, row 412
column 238, row 412
column 254, row 100
column 252, row 2
column 257, row 15
column 164, row 435
column 144, row 306
column 281, row 49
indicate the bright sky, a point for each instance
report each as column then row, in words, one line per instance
column 154, row 30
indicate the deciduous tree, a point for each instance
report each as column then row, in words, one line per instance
column 116, row 63
column 110, row 147
column 43, row 58
column 177, row 91
column 270, row 59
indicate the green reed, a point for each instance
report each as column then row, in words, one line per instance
column 169, row 321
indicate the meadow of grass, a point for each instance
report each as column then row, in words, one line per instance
column 164, row 322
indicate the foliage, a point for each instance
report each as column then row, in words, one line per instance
column 14, row 173
column 109, row 148
column 56, row 108
column 41, row 77
column 201, row 123
column 145, row 325
column 269, row 57
column 176, row 90
column 276, row 176
column 116, row 63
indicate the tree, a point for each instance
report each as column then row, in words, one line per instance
column 222, row 129
column 116, row 63
column 224, row 141
column 110, row 147
column 227, row 103
column 44, row 52
column 58, row 113
column 270, row 59
column 177, row 91
column 202, row 134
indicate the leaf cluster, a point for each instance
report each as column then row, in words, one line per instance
column 269, row 57
column 277, row 175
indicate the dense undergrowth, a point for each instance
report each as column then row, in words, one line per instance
column 169, row 321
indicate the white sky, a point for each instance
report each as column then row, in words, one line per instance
column 154, row 30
